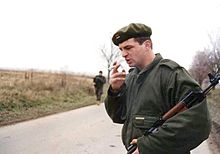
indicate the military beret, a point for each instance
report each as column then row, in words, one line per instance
column 133, row 30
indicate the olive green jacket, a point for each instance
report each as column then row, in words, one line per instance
column 146, row 96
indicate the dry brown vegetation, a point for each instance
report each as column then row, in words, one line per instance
column 214, row 105
column 28, row 94
column 214, row 108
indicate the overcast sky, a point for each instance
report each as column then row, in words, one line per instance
column 68, row 35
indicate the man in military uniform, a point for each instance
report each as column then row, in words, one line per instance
column 153, row 86
column 99, row 81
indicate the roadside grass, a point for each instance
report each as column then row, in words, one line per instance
column 214, row 105
column 214, row 108
column 28, row 95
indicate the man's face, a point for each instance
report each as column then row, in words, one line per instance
column 133, row 52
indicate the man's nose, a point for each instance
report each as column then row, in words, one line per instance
column 124, row 53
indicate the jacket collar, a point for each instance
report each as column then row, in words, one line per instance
column 156, row 60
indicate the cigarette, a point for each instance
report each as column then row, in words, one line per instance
column 112, row 67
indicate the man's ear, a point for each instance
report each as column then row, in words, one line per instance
column 147, row 44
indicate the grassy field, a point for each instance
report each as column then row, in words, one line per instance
column 214, row 105
column 214, row 108
column 27, row 94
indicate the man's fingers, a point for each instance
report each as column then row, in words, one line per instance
column 115, row 67
column 118, row 75
column 117, row 79
column 134, row 141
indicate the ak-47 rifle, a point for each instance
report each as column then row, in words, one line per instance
column 185, row 103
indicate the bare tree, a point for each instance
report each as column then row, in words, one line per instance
column 208, row 60
column 199, row 68
column 214, row 52
column 110, row 56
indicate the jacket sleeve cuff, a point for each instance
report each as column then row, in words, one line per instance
column 118, row 93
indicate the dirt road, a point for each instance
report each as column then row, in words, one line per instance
column 83, row 131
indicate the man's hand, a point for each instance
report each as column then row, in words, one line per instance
column 134, row 141
column 117, row 79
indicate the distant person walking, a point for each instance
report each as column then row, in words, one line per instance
column 99, row 81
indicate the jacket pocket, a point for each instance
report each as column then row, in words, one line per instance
column 144, row 122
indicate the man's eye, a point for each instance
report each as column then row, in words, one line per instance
column 127, row 48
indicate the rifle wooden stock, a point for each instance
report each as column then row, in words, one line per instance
column 181, row 106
